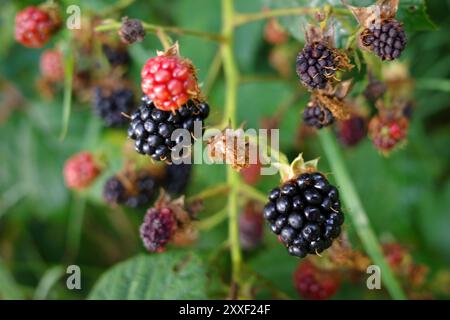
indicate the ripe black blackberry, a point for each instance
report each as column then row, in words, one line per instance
column 116, row 56
column 110, row 104
column 152, row 128
column 137, row 192
column 315, row 64
column 317, row 115
column 177, row 177
column 387, row 40
column 306, row 214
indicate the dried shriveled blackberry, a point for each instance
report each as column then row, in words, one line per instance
column 315, row 65
column 387, row 39
column 317, row 115
column 131, row 31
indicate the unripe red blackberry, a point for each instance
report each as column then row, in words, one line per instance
column 306, row 214
column 386, row 132
column 158, row 228
column 131, row 31
column 80, row 171
column 251, row 223
column 130, row 190
column 154, row 130
column 352, row 130
column 386, row 39
column 111, row 104
column 315, row 65
column 317, row 115
column 52, row 66
column 251, row 174
column 313, row 283
column 169, row 80
column 34, row 27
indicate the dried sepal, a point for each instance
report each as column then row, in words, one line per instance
column 297, row 166
column 369, row 16
column 230, row 146
column 333, row 98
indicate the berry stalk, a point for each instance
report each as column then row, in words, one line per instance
column 232, row 81
column 67, row 99
column 358, row 215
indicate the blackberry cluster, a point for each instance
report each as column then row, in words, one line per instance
column 109, row 105
column 152, row 128
column 387, row 41
column 306, row 214
column 315, row 64
column 144, row 189
column 318, row 116
column 177, row 177
column 116, row 56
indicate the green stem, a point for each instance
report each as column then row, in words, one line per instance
column 357, row 213
column 219, row 189
column 244, row 18
column 433, row 84
column 212, row 221
column 252, row 193
column 67, row 100
column 232, row 81
column 112, row 25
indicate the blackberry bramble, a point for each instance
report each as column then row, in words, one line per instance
column 152, row 128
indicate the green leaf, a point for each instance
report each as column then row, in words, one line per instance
column 413, row 14
column 9, row 289
column 171, row 275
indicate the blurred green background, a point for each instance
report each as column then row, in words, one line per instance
column 44, row 227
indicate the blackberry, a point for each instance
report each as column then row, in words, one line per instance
column 131, row 31
column 352, row 130
column 114, row 191
column 251, row 223
column 317, row 115
column 158, row 228
column 110, row 105
column 177, row 177
column 387, row 41
column 138, row 192
column 116, row 56
column 306, row 214
column 315, row 64
column 154, row 130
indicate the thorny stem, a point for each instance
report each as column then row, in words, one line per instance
column 357, row 213
column 232, row 81
column 112, row 25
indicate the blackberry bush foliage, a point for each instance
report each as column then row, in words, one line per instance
column 155, row 131
column 305, row 212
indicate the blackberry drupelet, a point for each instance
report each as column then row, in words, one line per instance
column 109, row 105
column 315, row 64
column 152, row 128
column 317, row 115
column 177, row 177
column 387, row 41
column 306, row 214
